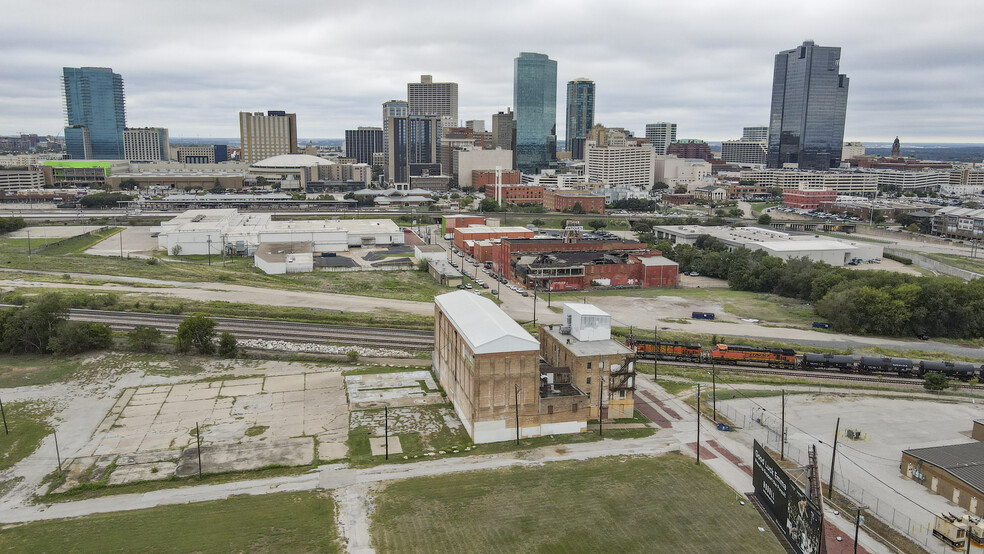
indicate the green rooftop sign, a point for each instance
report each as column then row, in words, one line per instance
column 79, row 163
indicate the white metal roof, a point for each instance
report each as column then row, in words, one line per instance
column 486, row 328
column 292, row 161
column 586, row 309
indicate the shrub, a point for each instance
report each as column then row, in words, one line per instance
column 352, row 355
column 143, row 338
column 900, row 259
column 75, row 337
column 227, row 345
column 935, row 382
column 196, row 331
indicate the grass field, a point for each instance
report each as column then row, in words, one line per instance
column 759, row 207
column 280, row 522
column 743, row 304
column 664, row 504
column 69, row 257
column 963, row 262
column 28, row 425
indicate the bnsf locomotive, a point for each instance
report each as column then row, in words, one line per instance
column 788, row 358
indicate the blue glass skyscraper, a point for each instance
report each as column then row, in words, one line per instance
column 95, row 113
column 535, row 102
column 580, row 113
column 809, row 106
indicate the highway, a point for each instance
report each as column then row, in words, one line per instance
column 404, row 339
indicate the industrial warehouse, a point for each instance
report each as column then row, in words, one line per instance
column 504, row 384
column 775, row 243
column 226, row 231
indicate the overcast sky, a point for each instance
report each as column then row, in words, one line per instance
column 915, row 66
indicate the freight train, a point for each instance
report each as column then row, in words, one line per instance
column 787, row 358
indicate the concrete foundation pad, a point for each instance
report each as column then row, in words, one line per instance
column 241, row 390
column 284, row 383
column 142, row 472
column 378, row 446
column 332, row 451
column 323, row 380
column 220, row 458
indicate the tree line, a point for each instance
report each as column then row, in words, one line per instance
column 861, row 302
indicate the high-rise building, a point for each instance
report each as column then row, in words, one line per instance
column 413, row 147
column 632, row 164
column 393, row 108
column 758, row 133
column 362, row 143
column 95, row 113
column 660, row 135
column 535, row 101
column 264, row 136
column 149, row 144
column 580, row 110
column 694, row 149
column 809, row 106
column 430, row 98
column 504, row 130
column 744, row 152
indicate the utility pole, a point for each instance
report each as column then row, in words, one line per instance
column 782, row 429
column 121, row 244
column 28, row 245
column 517, row 414
column 5, row 429
column 534, row 303
column 697, row 445
column 198, row 439
column 601, row 395
column 833, row 458
column 714, row 394
column 386, row 433
column 857, row 525
column 57, row 453
column 209, row 241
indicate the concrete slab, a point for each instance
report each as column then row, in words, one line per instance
column 378, row 446
column 241, row 390
column 244, row 457
column 328, row 451
column 188, row 406
column 284, row 383
column 394, row 390
column 153, row 471
column 323, row 380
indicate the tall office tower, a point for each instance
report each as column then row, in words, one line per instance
column 504, row 130
column 149, row 144
column 759, row 133
column 362, row 143
column 809, row 105
column 660, row 135
column 476, row 125
column 413, row 147
column 580, row 111
column 264, row 136
column 391, row 109
column 535, row 101
column 430, row 98
column 95, row 113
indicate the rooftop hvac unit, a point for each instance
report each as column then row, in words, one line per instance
column 565, row 330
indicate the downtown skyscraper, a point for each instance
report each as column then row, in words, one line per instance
column 95, row 113
column 660, row 135
column 430, row 98
column 580, row 114
column 809, row 106
column 535, row 102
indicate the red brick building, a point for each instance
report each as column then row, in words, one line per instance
column 558, row 265
column 690, row 148
column 558, row 200
column 677, row 199
column 450, row 222
column 484, row 177
column 516, row 194
column 464, row 237
column 807, row 199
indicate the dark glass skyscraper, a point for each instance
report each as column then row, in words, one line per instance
column 95, row 113
column 580, row 111
column 535, row 102
column 362, row 143
column 809, row 105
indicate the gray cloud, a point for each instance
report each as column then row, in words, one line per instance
column 191, row 66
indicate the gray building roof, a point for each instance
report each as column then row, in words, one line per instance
column 963, row 461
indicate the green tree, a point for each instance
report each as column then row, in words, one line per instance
column 455, row 195
column 538, row 222
column 680, row 189
column 488, row 205
column 935, row 382
column 143, row 338
column 466, row 201
column 31, row 328
column 765, row 219
column 578, row 208
column 197, row 331
column 661, row 186
column 75, row 337
column 228, row 346
column 104, row 199
column 129, row 184
column 597, row 224
column 8, row 224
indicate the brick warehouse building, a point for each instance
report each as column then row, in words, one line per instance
column 558, row 200
column 559, row 264
column 516, row 194
column 807, row 199
column 481, row 178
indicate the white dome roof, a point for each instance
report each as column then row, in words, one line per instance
column 292, row 160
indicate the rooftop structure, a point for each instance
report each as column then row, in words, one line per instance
column 955, row 472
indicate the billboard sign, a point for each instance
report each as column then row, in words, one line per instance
column 798, row 517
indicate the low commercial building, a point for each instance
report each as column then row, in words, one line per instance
column 279, row 258
column 602, row 367
column 787, row 246
column 490, row 368
column 450, row 222
column 674, row 170
column 180, row 180
column 74, row 173
column 863, row 208
column 444, row 273
column 853, row 183
column 955, row 472
column 20, row 179
column 245, row 202
column 515, row 194
column 807, row 199
column 482, row 178
column 464, row 237
column 956, row 222
column 559, row 200
column 291, row 171
column 711, row 193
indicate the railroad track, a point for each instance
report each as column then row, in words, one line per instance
column 404, row 339
column 808, row 374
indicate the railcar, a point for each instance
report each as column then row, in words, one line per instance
column 678, row 351
column 737, row 355
column 959, row 370
column 829, row 361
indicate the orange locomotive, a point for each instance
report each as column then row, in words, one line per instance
column 645, row 349
column 734, row 355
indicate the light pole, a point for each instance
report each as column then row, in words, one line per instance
column 857, row 525
column 209, row 242
column 517, row 414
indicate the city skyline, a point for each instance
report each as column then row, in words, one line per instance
column 195, row 77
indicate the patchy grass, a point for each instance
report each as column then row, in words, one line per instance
column 28, row 426
column 759, row 207
column 256, row 430
column 963, row 262
column 279, row 522
column 578, row 506
column 31, row 369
